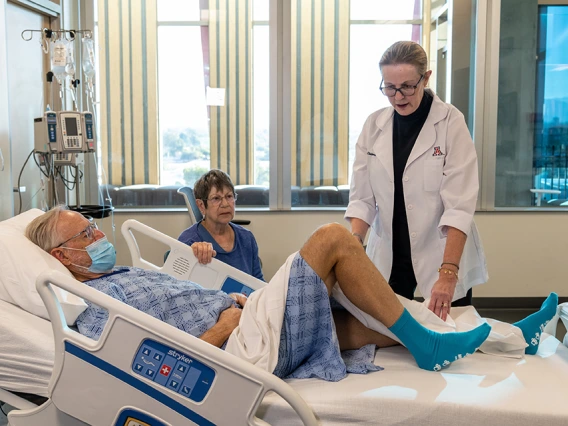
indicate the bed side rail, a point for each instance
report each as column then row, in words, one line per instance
column 105, row 369
column 182, row 264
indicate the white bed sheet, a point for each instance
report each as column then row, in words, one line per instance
column 479, row 390
column 26, row 351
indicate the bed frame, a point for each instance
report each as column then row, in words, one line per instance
column 240, row 393
column 229, row 390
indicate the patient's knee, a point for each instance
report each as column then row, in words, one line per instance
column 333, row 232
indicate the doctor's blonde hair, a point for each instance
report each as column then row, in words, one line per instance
column 42, row 231
column 405, row 52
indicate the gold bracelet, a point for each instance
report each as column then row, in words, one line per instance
column 449, row 271
column 358, row 236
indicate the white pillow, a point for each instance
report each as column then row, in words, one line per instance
column 21, row 262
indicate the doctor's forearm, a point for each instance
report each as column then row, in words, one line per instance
column 454, row 246
column 359, row 228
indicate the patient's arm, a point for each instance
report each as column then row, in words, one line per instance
column 220, row 332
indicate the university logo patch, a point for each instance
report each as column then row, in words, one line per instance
column 437, row 152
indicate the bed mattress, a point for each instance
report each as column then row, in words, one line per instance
column 26, row 351
column 479, row 390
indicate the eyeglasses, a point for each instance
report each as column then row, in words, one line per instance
column 405, row 89
column 89, row 232
column 216, row 199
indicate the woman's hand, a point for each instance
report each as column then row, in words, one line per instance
column 203, row 252
column 442, row 295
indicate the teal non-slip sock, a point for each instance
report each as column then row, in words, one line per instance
column 432, row 350
column 533, row 325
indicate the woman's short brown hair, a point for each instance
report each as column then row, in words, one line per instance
column 405, row 52
column 214, row 178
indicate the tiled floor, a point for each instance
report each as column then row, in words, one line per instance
column 507, row 315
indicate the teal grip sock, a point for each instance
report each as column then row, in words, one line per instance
column 533, row 325
column 432, row 350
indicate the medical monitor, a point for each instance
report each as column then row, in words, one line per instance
column 71, row 132
column 71, row 126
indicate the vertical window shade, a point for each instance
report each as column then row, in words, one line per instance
column 320, row 79
column 230, row 47
column 128, row 75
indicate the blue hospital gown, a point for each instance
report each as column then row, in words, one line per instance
column 183, row 304
column 308, row 341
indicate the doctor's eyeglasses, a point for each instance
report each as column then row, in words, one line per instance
column 405, row 89
column 216, row 200
column 89, row 232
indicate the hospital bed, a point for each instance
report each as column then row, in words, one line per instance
column 108, row 382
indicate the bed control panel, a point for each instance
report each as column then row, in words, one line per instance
column 231, row 285
column 174, row 370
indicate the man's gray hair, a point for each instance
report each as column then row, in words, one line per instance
column 42, row 231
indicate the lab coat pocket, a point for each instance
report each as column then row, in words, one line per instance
column 433, row 172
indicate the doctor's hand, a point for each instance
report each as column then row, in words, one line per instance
column 442, row 295
column 203, row 252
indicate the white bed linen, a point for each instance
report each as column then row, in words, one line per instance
column 479, row 390
column 26, row 351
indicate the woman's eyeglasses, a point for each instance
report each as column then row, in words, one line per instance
column 217, row 199
column 405, row 89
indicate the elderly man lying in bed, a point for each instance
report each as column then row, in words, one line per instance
column 289, row 327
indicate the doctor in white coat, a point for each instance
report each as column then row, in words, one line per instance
column 415, row 183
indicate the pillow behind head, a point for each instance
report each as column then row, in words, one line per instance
column 21, row 262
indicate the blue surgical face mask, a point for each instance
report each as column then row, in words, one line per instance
column 102, row 254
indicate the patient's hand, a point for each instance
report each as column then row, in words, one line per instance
column 220, row 332
column 241, row 299
column 204, row 252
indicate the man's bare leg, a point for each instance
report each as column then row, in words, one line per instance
column 354, row 335
column 336, row 256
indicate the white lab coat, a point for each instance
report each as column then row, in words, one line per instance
column 440, row 183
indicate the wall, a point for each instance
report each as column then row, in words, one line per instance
column 26, row 90
column 526, row 251
column 6, row 205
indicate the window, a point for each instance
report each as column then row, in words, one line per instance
column 335, row 86
column 159, row 127
column 532, row 123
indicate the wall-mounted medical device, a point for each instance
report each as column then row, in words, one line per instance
column 88, row 122
column 68, row 159
column 45, row 132
column 71, row 131
column 65, row 132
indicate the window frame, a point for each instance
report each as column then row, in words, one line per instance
column 485, row 47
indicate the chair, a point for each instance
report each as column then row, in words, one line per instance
column 194, row 213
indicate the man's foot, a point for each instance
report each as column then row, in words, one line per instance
column 533, row 325
column 432, row 350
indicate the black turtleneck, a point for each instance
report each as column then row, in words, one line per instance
column 405, row 132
